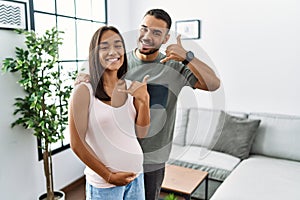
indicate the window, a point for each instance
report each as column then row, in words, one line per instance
column 79, row 19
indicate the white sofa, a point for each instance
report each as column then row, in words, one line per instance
column 248, row 155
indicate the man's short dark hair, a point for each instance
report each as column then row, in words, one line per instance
column 160, row 14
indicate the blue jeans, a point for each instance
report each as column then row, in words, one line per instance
column 133, row 191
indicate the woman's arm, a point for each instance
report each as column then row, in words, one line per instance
column 78, row 124
column 142, row 120
column 142, row 105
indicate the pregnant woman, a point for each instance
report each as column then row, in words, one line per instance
column 106, row 116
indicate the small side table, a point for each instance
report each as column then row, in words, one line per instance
column 183, row 181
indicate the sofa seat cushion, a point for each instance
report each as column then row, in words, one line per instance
column 260, row 178
column 218, row 165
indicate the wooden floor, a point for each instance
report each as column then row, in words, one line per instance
column 75, row 191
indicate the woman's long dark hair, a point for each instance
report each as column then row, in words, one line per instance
column 95, row 67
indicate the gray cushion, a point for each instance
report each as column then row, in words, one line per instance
column 236, row 136
column 180, row 126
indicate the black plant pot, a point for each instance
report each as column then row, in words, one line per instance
column 58, row 195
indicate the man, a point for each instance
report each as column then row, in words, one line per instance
column 168, row 74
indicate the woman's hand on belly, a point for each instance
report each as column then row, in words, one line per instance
column 122, row 178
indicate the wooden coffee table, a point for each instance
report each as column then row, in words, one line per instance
column 183, row 181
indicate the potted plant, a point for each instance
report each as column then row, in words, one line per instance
column 43, row 109
column 170, row 197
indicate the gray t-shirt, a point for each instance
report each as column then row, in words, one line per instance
column 164, row 84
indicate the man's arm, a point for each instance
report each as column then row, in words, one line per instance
column 207, row 79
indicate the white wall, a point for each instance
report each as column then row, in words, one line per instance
column 21, row 174
column 253, row 45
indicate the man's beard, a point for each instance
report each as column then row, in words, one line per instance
column 152, row 51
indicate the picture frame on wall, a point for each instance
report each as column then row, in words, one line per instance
column 13, row 15
column 189, row 29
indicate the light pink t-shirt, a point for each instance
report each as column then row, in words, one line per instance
column 111, row 134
